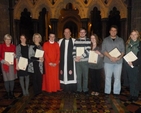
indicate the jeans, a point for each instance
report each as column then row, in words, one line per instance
column 82, row 72
column 112, row 69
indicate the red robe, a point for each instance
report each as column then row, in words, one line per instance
column 51, row 81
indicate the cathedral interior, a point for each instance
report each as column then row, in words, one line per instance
column 43, row 16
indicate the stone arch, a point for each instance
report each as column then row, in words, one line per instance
column 20, row 6
column 39, row 6
column 100, row 7
column 120, row 6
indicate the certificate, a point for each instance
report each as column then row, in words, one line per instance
column 93, row 56
column 39, row 53
column 130, row 57
column 9, row 57
column 79, row 51
column 115, row 53
column 22, row 64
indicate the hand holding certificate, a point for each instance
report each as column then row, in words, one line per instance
column 93, row 56
column 39, row 53
column 115, row 53
column 130, row 57
column 22, row 64
column 79, row 51
column 9, row 57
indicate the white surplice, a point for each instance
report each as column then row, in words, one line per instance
column 66, row 81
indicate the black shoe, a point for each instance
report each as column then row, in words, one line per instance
column 107, row 95
column 135, row 98
column 130, row 98
column 12, row 95
column 86, row 93
column 116, row 95
column 7, row 95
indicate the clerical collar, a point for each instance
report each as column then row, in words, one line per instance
column 51, row 42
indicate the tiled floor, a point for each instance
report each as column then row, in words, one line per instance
column 62, row 102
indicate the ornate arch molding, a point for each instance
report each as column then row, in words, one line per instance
column 39, row 6
column 20, row 6
column 101, row 7
column 120, row 6
column 76, row 4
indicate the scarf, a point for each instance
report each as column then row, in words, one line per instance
column 69, row 59
column 133, row 46
column 11, row 48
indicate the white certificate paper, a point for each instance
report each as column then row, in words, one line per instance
column 130, row 57
column 79, row 51
column 115, row 53
column 22, row 64
column 39, row 53
column 9, row 57
column 93, row 56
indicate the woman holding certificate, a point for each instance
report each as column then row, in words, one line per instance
column 36, row 65
column 132, row 44
column 8, row 65
column 51, row 49
column 95, row 65
column 22, row 52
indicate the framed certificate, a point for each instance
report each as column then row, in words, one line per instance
column 9, row 57
column 115, row 53
column 39, row 53
column 22, row 64
column 79, row 51
column 93, row 56
column 130, row 57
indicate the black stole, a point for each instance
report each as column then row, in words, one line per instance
column 69, row 59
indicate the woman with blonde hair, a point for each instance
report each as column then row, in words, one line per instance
column 36, row 65
column 8, row 69
column 133, row 44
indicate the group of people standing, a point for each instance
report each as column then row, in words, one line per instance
column 61, row 68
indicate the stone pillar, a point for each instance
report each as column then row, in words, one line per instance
column 54, row 25
column 11, row 19
column 35, row 25
column 17, row 31
column 104, row 27
column 129, row 9
column 136, row 15
column 85, row 23
column 123, row 32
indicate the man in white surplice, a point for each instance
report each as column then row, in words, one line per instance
column 67, row 65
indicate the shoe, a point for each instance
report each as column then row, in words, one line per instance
column 135, row 98
column 96, row 94
column 86, row 93
column 116, row 95
column 12, row 95
column 92, row 93
column 130, row 98
column 7, row 95
column 107, row 95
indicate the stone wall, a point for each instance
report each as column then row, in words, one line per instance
column 136, row 15
column 4, row 18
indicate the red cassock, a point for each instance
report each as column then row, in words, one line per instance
column 51, row 81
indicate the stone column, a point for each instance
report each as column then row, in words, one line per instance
column 17, row 31
column 85, row 23
column 129, row 9
column 104, row 27
column 123, row 32
column 54, row 25
column 11, row 19
column 35, row 25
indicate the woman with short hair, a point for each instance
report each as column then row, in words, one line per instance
column 8, row 70
column 36, row 65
